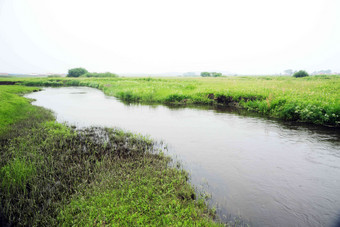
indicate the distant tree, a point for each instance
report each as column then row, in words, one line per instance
column 325, row 71
column 288, row 71
column 76, row 72
column 215, row 74
column 210, row 74
column 107, row 74
column 205, row 74
column 300, row 73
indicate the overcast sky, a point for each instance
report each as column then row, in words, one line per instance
column 153, row 36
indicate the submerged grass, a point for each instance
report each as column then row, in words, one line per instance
column 313, row 99
column 52, row 174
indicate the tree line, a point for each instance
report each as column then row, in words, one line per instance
column 210, row 74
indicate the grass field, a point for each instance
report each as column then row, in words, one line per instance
column 52, row 174
column 13, row 107
column 314, row 99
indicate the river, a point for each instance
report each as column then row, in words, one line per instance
column 267, row 172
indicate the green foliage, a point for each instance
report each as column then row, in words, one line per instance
column 315, row 98
column 215, row 74
column 107, row 74
column 210, row 74
column 16, row 175
column 175, row 98
column 13, row 107
column 205, row 74
column 138, row 194
column 76, row 72
column 93, row 176
column 52, row 175
column 288, row 71
column 300, row 73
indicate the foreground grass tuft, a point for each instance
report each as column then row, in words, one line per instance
column 16, row 175
column 145, row 192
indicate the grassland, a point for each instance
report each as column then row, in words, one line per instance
column 13, row 107
column 52, row 174
column 313, row 99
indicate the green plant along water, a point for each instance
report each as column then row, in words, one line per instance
column 313, row 99
column 52, row 174
column 14, row 107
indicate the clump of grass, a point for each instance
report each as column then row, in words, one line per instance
column 15, row 175
column 139, row 192
column 13, row 107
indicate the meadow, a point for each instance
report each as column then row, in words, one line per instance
column 313, row 99
column 53, row 174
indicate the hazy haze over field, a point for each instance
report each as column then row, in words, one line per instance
column 132, row 36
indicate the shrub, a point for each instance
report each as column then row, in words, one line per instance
column 107, row 74
column 205, row 74
column 215, row 74
column 300, row 73
column 175, row 98
column 76, row 72
column 210, row 74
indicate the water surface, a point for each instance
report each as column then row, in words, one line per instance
column 268, row 172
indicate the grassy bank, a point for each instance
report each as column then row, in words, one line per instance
column 14, row 108
column 312, row 99
column 52, row 174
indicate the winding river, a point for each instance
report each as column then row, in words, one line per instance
column 267, row 172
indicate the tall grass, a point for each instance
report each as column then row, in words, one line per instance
column 13, row 107
column 15, row 175
column 313, row 99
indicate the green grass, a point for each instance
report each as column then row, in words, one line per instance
column 13, row 107
column 15, row 175
column 313, row 99
column 107, row 74
column 141, row 193
column 53, row 175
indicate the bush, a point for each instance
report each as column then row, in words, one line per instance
column 76, row 72
column 215, row 74
column 107, row 74
column 210, row 74
column 300, row 73
column 205, row 74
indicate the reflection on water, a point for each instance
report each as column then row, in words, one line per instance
column 268, row 172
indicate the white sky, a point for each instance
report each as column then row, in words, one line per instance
column 153, row 36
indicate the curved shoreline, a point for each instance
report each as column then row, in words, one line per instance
column 313, row 100
column 51, row 174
